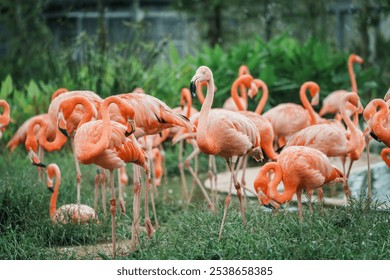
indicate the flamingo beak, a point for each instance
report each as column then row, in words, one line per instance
column 35, row 160
column 130, row 123
column 51, row 189
column 373, row 135
column 193, row 88
column 63, row 131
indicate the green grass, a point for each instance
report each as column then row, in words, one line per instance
column 187, row 231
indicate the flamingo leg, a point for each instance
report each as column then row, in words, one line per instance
column 151, row 178
column 213, row 187
column 103, row 178
column 231, row 163
column 135, row 227
column 122, row 203
column 299, row 198
column 113, row 213
column 215, row 171
column 184, row 192
column 148, row 223
column 97, row 182
column 349, row 168
column 199, row 183
column 367, row 140
column 41, row 172
column 78, row 172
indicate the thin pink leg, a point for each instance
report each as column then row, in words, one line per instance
column 184, row 192
column 103, row 179
column 299, row 198
column 97, row 182
column 122, row 203
column 135, row 226
column 113, row 213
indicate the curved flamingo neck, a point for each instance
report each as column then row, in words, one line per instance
column 242, row 80
column 32, row 142
column 186, row 96
column 351, row 72
column 243, row 70
column 58, row 92
column 125, row 109
column 378, row 119
column 54, row 171
column 5, row 116
column 353, row 140
column 274, row 183
column 68, row 105
column 264, row 96
column 314, row 90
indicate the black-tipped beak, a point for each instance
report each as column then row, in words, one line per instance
column 51, row 189
column 270, row 206
column 63, row 131
column 39, row 164
column 193, row 89
column 373, row 135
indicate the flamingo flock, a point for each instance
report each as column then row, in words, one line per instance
column 130, row 129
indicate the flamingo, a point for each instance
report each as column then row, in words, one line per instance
column 157, row 158
column 65, row 111
column 385, row 156
column 104, row 143
column 231, row 104
column 299, row 168
column 69, row 213
column 378, row 126
column 225, row 133
column 330, row 104
column 288, row 118
column 328, row 138
column 4, row 117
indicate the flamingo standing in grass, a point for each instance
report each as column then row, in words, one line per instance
column 4, row 117
column 331, row 103
column 385, row 156
column 299, row 168
column 104, row 143
column 328, row 138
column 288, row 118
column 377, row 116
column 225, row 133
column 69, row 213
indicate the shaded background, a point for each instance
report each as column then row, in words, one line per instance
column 112, row 46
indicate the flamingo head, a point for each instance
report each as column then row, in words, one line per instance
column 130, row 127
column 35, row 159
column 315, row 94
column 202, row 74
column 61, row 122
column 243, row 70
column 49, row 184
column 253, row 90
column 355, row 58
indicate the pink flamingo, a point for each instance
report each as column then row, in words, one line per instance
column 104, row 143
column 331, row 103
column 69, row 213
column 225, row 133
column 4, row 117
column 288, row 118
column 299, row 168
column 330, row 139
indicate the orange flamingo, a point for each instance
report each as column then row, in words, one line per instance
column 225, row 133
column 385, row 156
column 288, row 118
column 4, row 117
column 377, row 116
column 104, row 143
column 67, row 110
column 157, row 158
column 331, row 103
column 328, row 138
column 69, row 213
column 231, row 104
column 299, row 168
